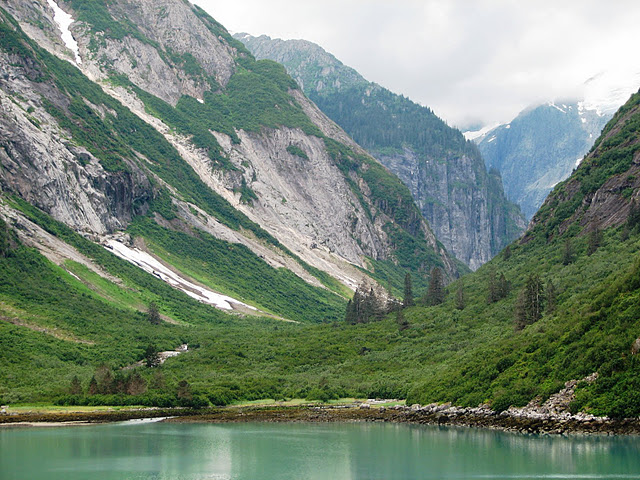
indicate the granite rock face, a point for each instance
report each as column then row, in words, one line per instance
column 44, row 166
column 325, row 213
column 464, row 204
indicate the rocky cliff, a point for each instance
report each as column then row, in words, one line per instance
column 464, row 204
column 182, row 119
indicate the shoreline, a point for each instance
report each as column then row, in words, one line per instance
column 438, row 415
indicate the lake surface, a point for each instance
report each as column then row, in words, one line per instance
column 163, row 451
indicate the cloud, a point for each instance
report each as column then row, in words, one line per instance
column 469, row 60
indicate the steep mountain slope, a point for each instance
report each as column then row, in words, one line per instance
column 188, row 127
column 577, row 314
column 540, row 148
column 463, row 203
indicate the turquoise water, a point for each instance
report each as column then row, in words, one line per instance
column 163, row 451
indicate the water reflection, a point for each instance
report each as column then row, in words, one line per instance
column 306, row 451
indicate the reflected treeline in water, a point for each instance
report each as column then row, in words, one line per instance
column 168, row 451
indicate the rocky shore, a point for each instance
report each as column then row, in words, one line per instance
column 522, row 420
column 515, row 420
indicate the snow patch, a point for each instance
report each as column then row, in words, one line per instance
column 584, row 120
column 479, row 134
column 491, row 139
column 150, row 265
column 551, row 104
column 609, row 90
column 64, row 21
column 578, row 162
column 507, row 126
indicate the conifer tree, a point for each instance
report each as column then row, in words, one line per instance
column 408, row 292
column 402, row 322
column 503, row 287
column 567, row 252
column 435, row 293
column 551, row 297
column 351, row 316
column 151, row 356
column 530, row 302
column 93, row 386
column 595, row 241
column 506, row 253
column 492, row 287
column 153, row 314
column 76, row 387
column 460, row 297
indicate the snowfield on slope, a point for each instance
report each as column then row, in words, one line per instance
column 151, row 265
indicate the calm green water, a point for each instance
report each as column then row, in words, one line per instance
column 306, row 451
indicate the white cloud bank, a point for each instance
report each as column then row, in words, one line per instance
column 469, row 60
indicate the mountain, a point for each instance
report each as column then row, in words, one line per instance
column 113, row 248
column 570, row 311
column 540, row 148
column 463, row 203
column 157, row 111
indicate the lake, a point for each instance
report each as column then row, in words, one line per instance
column 265, row 451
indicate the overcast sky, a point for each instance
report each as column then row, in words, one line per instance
column 469, row 60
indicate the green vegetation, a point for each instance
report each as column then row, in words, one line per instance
column 297, row 151
column 95, row 13
column 236, row 271
column 382, row 119
column 67, row 332
column 439, row 353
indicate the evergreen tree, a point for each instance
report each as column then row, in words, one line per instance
column 408, row 292
column 633, row 219
column 351, row 316
column 402, row 322
column 435, row 293
column 366, row 305
column 503, row 287
column 595, row 241
column 460, row 297
column 151, row 356
column 567, row 252
column 529, row 304
column 153, row 314
column 492, row 287
column 551, row 297
column 626, row 231
column 76, row 387
column 104, row 379
column 93, row 386
column 506, row 253
column 498, row 287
